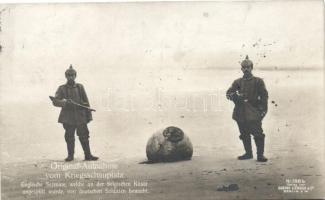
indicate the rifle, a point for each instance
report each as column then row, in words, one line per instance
column 53, row 99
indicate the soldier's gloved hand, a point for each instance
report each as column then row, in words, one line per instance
column 64, row 102
column 238, row 98
column 234, row 96
column 69, row 102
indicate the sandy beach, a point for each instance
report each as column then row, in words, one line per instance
column 294, row 143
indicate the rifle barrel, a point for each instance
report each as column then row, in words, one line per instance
column 82, row 106
column 75, row 103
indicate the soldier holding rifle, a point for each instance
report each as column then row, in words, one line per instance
column 75, row 114
column 250, row 97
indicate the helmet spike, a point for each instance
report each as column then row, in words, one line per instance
column 247, row 62
column 70, row 70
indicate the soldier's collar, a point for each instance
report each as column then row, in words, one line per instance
column 71, row 86
column 248, row 78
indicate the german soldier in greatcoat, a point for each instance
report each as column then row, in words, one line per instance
column 250, row 97
column 73, row 117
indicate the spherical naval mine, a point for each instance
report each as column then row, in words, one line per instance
column 168, row 145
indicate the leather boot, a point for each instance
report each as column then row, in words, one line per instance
column 70, row 147
column 86, row 148
column 248, row 149
column 260, row 149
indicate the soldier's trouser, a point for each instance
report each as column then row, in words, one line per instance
column 246, row 128
column 83, row 134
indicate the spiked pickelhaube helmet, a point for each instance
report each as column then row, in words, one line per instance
column 70, row 71
column 247, row 62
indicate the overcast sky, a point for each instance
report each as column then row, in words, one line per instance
column 42, row 40
column 169, row 34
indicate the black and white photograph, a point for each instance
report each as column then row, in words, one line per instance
column 162, row 100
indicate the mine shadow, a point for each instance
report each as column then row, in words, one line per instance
column 161, row 161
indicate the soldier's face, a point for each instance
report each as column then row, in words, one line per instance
column 246, row 69
column 70, row 77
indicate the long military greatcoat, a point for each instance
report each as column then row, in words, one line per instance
column 254, row 99
column 71, row 114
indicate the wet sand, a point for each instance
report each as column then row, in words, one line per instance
column 32, row 141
